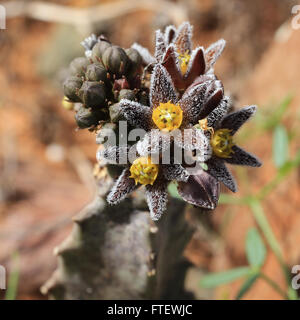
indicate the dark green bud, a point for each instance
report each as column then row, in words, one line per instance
column 93, row 94
column 126, row 94
column 115, row 60
column 115, row 113
column 85, row 118
column 96, row 72
column 71, row 87
column 135, row 60
column 78, row 66
column 99, row 49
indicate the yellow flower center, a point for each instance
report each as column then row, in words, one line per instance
column 167, row 116
column 184, row 61
column 143, row 171
column 222, row 143
column 203, row 125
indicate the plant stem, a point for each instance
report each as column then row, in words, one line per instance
column 274, row 285
column 266, row 229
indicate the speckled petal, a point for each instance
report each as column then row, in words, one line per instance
column 236, row 119
column 154, row 142
column 196, row 65
column 114, row 154
column 170, row 34
column 217, row 168
column 242, row 157
column 219, row 112
column 201, row 190
column 194, row 139
column 157, row 198
column 213, row 52
column 183, row 40
column 162, row 88
column 122, row 187
column 160, row 46
column 175, row 172
column 198, row 101
column 136, row 114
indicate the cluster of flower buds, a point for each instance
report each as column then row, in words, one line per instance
column 98, row 81
column 182, row 109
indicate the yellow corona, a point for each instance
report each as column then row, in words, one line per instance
column 167, row 116
column 143, row 171
column 222, row 143
column 184, row 61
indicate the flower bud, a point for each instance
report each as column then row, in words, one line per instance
column 127, row 94
column 93, row 94
column 115, row 113
column 71, row 87
column 115, row 60
column 96, row 72
column 99, row 49
column 78, row 66
column 135, row 60
column 86, row 118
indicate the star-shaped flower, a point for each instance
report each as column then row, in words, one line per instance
column 166, row 114
column 174, row 50
column 222, row 129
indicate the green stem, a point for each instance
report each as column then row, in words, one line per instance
column 274, row 285
column 266, row 229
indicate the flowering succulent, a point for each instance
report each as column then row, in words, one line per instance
column 182, row 110
column 166, row 114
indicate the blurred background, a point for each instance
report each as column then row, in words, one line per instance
column 46, row 163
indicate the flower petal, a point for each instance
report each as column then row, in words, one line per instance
column 183, row 40
column 213, row 52
column 162, row 88
column 122, row 187
column 236, row 119
column 194, row 139
column 219, row 112
column 114, row 154
column 154, row 142
column 217, row 168
column 201, row 190
column 196, row 66
column 145, row 54
column 136, row 114
column 171, row 63
column 160, row 46
column 157, row 198
column 242, row 157
column 175, row 172
column 170, row 33
column 198, row 101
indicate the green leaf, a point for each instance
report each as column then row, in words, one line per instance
column 280, row 146
column 172, row 188
column 255, row 248
column 216, row 279
column 13, row 280
column 247, row 285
